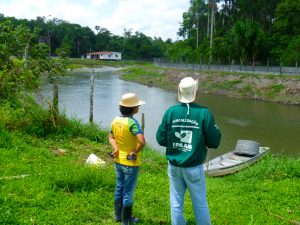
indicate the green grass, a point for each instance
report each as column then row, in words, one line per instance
column 60, row 189
column 228, row 84
column 275, row 89
column 148, row 74
column 92, row 63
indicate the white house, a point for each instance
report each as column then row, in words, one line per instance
column 104, row 55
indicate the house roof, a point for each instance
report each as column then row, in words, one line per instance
column 98, row 53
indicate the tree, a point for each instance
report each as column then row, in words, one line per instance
column 287, row 31
column 23, row 59
column 103, row 37
column 246, row 37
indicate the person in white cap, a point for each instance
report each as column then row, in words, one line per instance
column 186, row 130
column 127, row 140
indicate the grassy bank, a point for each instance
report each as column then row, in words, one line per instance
column 283, row 89
column 75, row 63
column 59, row 189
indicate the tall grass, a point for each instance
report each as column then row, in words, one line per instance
column 31, row 118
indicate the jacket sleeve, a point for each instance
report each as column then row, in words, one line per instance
column 212, row 132
column 162, row 131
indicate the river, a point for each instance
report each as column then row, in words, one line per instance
column 271, row 124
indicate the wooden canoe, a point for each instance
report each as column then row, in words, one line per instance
column 229, row 163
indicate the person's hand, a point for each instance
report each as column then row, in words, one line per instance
column 133, row 155
column 116, row 153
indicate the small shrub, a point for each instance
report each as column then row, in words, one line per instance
column 228, row 84
column 247, row 90
column 275, row 89
column 5, row 138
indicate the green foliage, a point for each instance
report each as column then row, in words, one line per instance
column 180, row 52
column 23, row 59
column 247, row 91
column 257, row 32
column 247, row 37
column 275, row 89
column 228, row 84
column 5, row 138
column 287, row 31
column 273, row 169
column 32, row 119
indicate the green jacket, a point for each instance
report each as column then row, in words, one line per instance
column 187, row 130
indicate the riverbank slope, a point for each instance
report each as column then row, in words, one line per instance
column 44, row 180
column 265, row 87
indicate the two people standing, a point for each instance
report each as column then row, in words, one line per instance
column 187, row 130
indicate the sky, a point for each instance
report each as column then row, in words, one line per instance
column 154, row 18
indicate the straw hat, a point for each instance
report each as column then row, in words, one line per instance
column 130, row 100
column 187, row 90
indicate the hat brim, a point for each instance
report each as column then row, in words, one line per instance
column 186, row 99
column 132, row 105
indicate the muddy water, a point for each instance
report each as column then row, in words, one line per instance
column 271, row 124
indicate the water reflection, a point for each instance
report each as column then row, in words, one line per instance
column 274, row 125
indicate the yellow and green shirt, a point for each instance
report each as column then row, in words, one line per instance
column 125, row 129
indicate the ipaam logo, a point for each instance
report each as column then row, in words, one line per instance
column 185, row 136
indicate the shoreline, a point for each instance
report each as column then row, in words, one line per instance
column 261, row 87
column 97, row 69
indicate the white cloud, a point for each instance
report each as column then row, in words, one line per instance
column 158, row 18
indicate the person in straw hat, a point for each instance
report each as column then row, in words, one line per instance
column 186, row 130
column 127, row 139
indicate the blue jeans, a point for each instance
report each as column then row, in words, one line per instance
column 193, row 179
column 126, row 177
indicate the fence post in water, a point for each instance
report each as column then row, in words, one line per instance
column 55, row 103
column 26, row 68
column 143, row 122
column 91, row 96
column 280, row 69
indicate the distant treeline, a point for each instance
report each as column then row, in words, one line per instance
column 247, row 32
column 73, row 40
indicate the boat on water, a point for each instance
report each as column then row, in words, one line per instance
column 245, row 154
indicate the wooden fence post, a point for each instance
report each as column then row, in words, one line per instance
column 280, row 69
column 26, row 68
column 92, row 81
column 143, row 122
column 55, row 104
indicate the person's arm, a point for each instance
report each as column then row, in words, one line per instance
column 212, row 131
column 161, row 133
column 140, row 145
column 136, row 130
column 113, row 143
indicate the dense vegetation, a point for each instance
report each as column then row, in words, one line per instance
column 22, row 59
column 240, row 31
column 244, row 32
